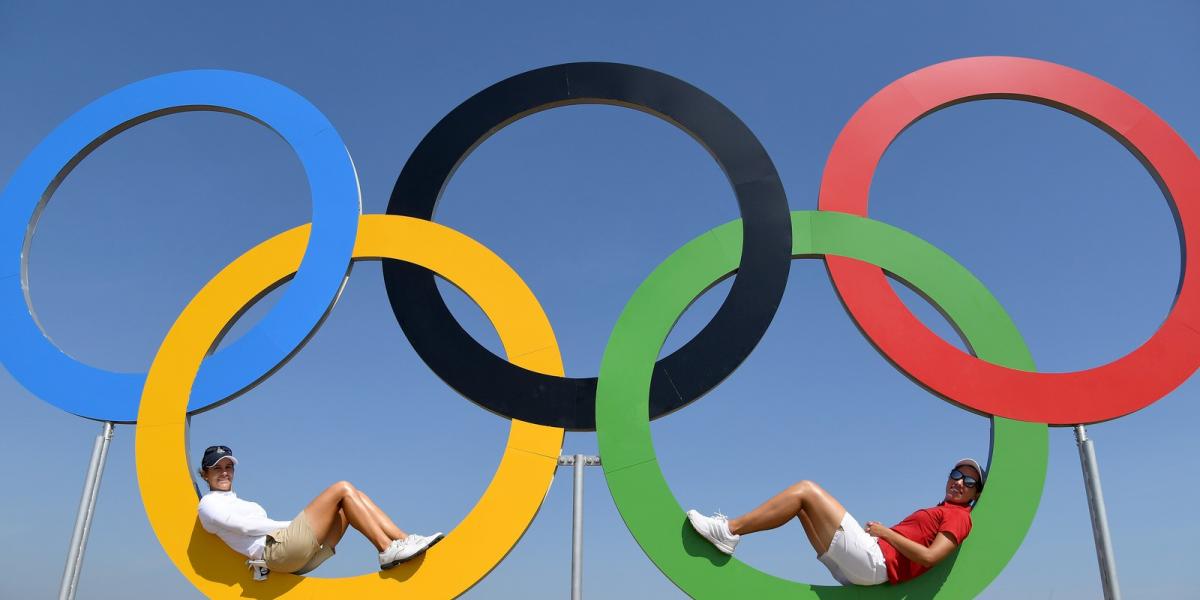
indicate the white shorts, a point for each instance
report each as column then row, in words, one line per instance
column 854, row 557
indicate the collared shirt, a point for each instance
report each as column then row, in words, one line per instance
column 241, row 524
column 922, row 527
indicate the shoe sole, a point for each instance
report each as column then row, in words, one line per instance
column 406, row 559
column 718, row 545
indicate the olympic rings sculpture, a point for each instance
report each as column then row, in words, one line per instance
column 997, row 380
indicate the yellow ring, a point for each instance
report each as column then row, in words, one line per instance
column 475, row 546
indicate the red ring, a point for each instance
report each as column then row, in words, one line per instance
column 1106, row 392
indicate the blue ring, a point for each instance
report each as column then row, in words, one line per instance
column 94, row 393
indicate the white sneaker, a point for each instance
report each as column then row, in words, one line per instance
column 714, row 529
column 402, row 550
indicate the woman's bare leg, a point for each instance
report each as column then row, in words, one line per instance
column 819, row 512
column 381, row 517
column 336, row 531
column 342, row 500
column 810, row 531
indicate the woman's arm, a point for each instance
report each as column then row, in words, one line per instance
column 926, row 556
column 252, row 525
column 244, row 522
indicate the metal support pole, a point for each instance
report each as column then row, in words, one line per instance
column 1091, row 482
column 578, row 461
column 87, row 508
column 577, row 532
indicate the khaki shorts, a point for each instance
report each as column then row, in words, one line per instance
column 295, row 549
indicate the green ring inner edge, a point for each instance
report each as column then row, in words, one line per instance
column 1016, row 462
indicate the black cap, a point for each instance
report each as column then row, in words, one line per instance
column 212, row 454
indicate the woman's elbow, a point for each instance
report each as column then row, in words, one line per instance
column 928, row 559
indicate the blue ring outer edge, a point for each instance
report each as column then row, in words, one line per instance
column 94, row 393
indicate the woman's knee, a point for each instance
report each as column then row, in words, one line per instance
column 805, row 488
column 343, row 489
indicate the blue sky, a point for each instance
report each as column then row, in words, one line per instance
column 1056, row 218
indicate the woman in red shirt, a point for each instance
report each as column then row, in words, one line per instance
column 855, row 555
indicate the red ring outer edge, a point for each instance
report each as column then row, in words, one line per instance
column 1101, row 393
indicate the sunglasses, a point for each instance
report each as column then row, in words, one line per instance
column 224, row 449
column 967, row 480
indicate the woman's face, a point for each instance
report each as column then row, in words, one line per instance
column 957, row 491
column 219, row 476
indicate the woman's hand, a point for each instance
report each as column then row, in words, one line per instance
column 943, row 544
column 878, row 530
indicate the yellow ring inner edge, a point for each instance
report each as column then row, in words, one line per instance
column 475, row 546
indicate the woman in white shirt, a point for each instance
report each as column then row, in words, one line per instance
column 302, row 544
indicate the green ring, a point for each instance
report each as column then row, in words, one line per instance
column 1017, row 465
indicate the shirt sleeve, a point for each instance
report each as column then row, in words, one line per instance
column 957, row 523
column 206, row 517
column 216, row 516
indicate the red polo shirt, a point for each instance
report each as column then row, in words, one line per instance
column 922, row 527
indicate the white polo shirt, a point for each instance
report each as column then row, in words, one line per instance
column 241, row 524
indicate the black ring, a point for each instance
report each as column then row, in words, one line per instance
column 694, row 369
